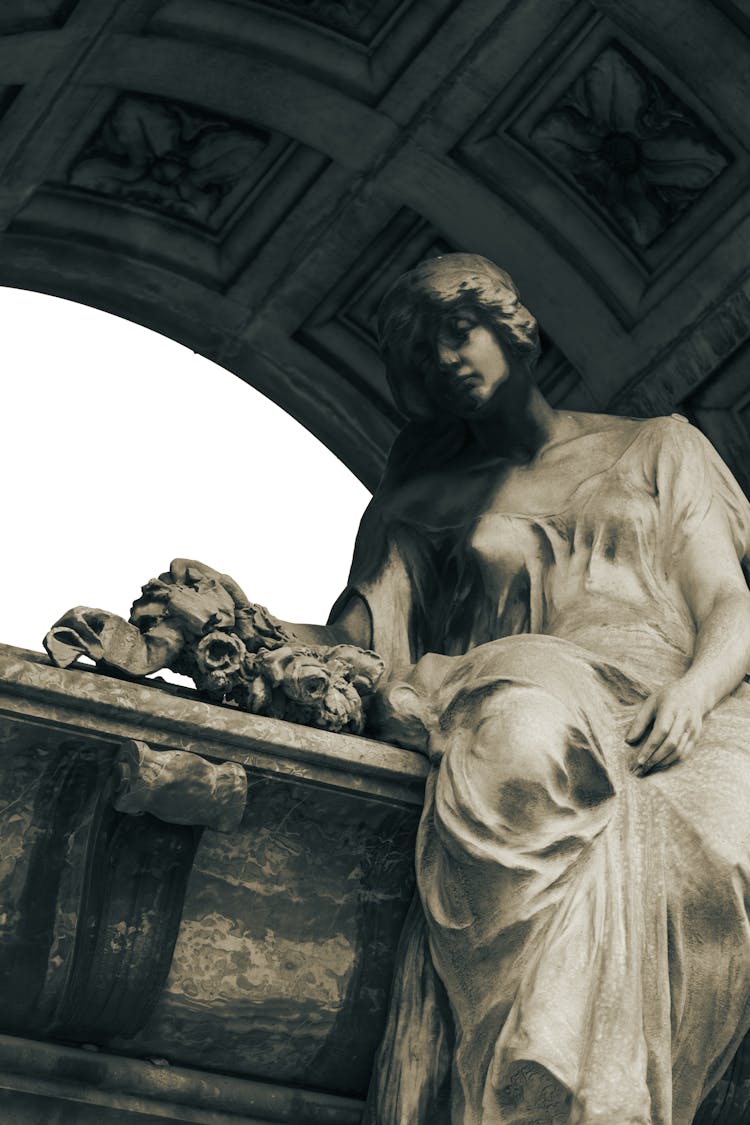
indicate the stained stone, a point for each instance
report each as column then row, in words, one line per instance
column 265, row 950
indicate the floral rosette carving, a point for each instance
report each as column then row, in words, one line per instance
column 626, row 140
column 170, row 157
column 199, row 623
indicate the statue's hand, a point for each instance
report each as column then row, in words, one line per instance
column 672, row 717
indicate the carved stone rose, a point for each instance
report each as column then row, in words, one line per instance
column 198, row 622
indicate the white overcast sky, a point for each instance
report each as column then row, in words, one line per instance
column 122, row 449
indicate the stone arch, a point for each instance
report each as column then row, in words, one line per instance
column 247, row 176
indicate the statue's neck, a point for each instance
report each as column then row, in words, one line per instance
column 521, row 425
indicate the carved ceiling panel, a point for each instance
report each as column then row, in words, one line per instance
column 621, row 136
column 177, row 160
column 722, row 410
column 185, row 184
column 248, row 176
column 604, row 145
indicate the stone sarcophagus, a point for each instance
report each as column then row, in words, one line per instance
column 199, row 908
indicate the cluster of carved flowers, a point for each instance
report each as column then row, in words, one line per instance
column 241, row 655
column 631, row 145
column 168, row 157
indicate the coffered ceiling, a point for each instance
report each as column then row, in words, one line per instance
column 248, row 176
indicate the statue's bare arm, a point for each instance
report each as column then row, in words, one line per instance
column 352, row 625
column 713, row 585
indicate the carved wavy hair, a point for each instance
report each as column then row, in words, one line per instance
column 412, row 309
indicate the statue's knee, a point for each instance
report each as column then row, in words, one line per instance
column 532, row 761
column 523, row 735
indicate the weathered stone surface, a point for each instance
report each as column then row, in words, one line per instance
column 41, row 1083
column 198, row 622
column 179, row 787
column 140, row 177
column 288, row 931
column 90, row 898
column 82, row 702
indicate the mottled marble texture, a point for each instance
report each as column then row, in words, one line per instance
column 51, row 1084
column 89, row 703
column 284, row 955
column 47, row 781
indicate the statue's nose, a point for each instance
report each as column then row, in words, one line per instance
column 450, row 359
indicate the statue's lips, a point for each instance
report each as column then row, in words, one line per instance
column 463, row 386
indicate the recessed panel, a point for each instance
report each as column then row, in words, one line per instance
column 176, row 159
column 622, row 137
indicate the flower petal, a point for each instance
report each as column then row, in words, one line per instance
column 565, row 137
column 222, row 157
column 615, row 92
column 197, row 203
column 644, row 221
column 681, row 161
column 107, row 176
column 140, row 128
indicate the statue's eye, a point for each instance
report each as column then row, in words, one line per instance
column 460, row 326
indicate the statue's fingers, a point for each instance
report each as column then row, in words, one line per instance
column 676, row 753
column 662, row 739
column 678, row 730
column 642, row 720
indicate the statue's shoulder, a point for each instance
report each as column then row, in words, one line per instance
column 626, row 423
column 628, row 428
column 674, row 426
column 649, row 443
column 611, row 426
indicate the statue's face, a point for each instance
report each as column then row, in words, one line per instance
column 469, row 364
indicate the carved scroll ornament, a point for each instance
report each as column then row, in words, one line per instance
column 179, row 787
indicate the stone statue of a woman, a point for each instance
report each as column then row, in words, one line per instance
column 560, row 604
column 564, row 595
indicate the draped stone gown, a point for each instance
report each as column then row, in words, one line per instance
column 581, row 948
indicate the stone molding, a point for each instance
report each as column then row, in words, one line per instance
column 79, row 701
column 85, row 1088
column 690, row 360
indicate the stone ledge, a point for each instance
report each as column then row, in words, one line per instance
column 43, row 1081
column 81, row 701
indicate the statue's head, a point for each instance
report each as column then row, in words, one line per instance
column 452, row 332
